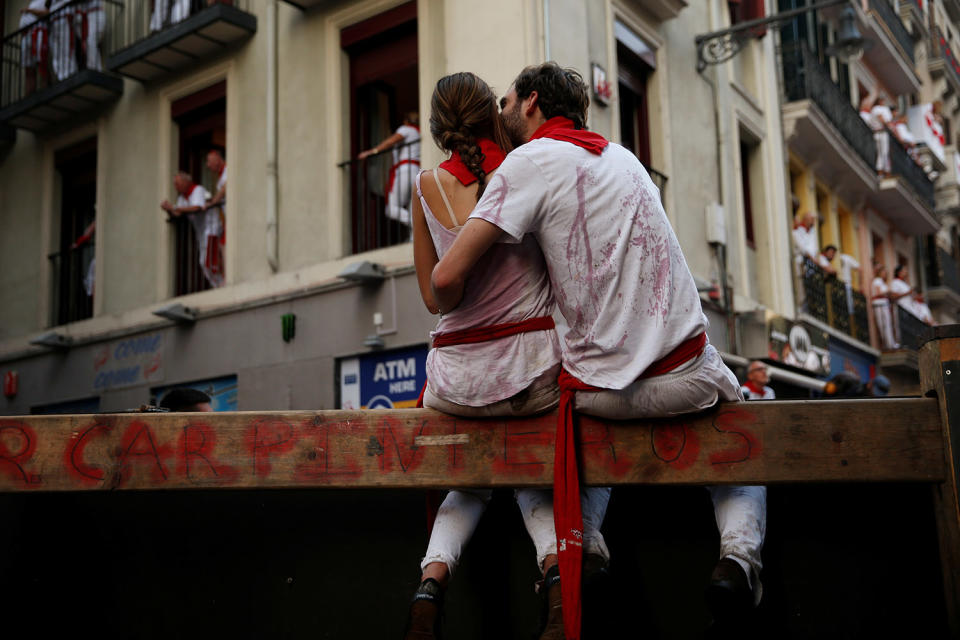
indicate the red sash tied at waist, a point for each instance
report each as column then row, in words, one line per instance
column 493, row 332
column 393, row 172
column 567, row 515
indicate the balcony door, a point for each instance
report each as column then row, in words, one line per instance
column 384, row 86
column 72, row 263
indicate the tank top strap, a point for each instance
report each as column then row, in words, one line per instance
column 446, row 201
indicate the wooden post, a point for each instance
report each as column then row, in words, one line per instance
column 940, row 377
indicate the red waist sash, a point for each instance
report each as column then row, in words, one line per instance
column 493, row 332
column 567, row 516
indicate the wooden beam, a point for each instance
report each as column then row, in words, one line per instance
column 876, row 440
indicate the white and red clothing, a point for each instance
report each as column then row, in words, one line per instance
column 627, row 298
column 805, row 241
column 881, row 313
column 34, row 48
column 90, row 25
column 753, row 391
column 208, row 229
column 168, row 12
column 900, row 287
column 882, row 116
column 406, row 165
column 62, row 38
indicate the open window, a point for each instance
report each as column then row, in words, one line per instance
column 72, row 264
column 384, row 99
column 201, row 120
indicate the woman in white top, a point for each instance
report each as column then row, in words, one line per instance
column 510, row 372
column 880, row 297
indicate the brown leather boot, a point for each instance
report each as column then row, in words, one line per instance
column 553, row 625
column 423, row 622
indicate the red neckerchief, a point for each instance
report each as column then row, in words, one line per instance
column 753, row 386
column 492, row 158
column 192, row 189
column 560, row 128
column 224, row 168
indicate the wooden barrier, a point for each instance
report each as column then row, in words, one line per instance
column 870, row 440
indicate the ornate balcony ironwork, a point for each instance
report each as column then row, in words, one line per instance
column 901, row 164
column 895, row 26
column 942, row 60
column 72, row 292
column 825, row 298
column 943, row 271
column 912, row 332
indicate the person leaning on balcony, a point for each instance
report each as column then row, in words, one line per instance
column 825, row 259
column 63, row 14
column 217, row 206
column 805, row 237
column 168, row 12
column 192, row 202
column 880, row 300
column 882, row 118
column 35, row 45
column 405, row 143
column 90, row 25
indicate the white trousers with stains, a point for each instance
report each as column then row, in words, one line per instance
column 741, row 511
column 460, row 512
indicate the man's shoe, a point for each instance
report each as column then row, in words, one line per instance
column 553, row 608
column 729, row 595
column 423, row 622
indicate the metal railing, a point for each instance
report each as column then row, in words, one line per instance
column 188, row 276
column 939, row 48
column 145, row 18
column 895, row 24
column 912, row 332
column 829, row 300
column 806, row 79
column 56, row 47
column 943, row 271
column 381, row 187
column 72, row 290
column 659, row 179
column 901, row 164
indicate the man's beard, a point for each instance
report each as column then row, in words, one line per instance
column 514, row 126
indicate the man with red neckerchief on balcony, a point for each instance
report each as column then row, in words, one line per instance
column 632, row 331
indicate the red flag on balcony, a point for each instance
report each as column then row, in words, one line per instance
column 744, row 10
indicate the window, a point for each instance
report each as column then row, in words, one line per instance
column 747, row 155
column 632, row 73
column 201, row 120
column 72, row 264
column 384, row 94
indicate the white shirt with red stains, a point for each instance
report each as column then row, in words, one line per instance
column 508, row 284
column 620, row 280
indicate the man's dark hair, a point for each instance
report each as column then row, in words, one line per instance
column 899, row 268
column 560, row 92
column 183, row 399
column 829, row 247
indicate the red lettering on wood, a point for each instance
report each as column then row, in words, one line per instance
column 675, row 443
column 268, row 437
column 390, row 448
column 598, row 446
column 138, row 445
column 734, row 420
column 195, row 456
column 519, row 442
column 73, row 460
column 324, row 461
column 13, row 458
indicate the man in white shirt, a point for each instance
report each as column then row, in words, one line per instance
column 192, row 202
column 630, row 308
column 168, row 12
column 62, row 51
column 34, row 48
column 405, row 143
column 848, row 264
column 756, row 387
column 805, row 236
column 882, row 117
column 825, row 259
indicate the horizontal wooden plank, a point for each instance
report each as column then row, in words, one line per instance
column 895, row 440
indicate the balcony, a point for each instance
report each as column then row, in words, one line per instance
column 147, row 45
column 659, row 179
column 825, row 299
column 892, row 56
column 911, row 331
column 906, row 197
column 49, row 77
column 820, row 125
column 911, row 13
column 947, row 192
column 72, row 291
column 942, row 63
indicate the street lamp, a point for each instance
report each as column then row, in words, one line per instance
column 720, row 46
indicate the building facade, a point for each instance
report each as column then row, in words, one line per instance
column 319, row 306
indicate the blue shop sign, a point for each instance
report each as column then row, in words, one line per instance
column 383, row 380
column 844, row 357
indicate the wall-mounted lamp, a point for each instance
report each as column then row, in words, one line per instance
column 365, row 272
column 177, row 312
column 53, row 340
column 720, row 46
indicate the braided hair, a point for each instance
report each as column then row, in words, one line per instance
column 462, row 110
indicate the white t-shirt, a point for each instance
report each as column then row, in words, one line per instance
column 897, row 287
column 222, row 180
column 27, row 19
column 903, row 132
column 880, row 288
column 882, row 115
column 205, row 223
column 824, row 261
column 409, row 148
column 619, row 278
column 749, row 394
column 847, row 264
column 805, row 241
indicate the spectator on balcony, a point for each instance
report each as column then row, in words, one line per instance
column 755, row 388
column 217, row 204
column 880, row 299
column 192, row 202
column 904, row 135
column 168, row 12
column 825, row 259
column 848, row 264
column 881, row 119
column 91, row 23
column 63, row 14
column 921, row 309
column 89, row 278
column 805, row 236
column 405, row 143
column 900, row 290
column 35, row 44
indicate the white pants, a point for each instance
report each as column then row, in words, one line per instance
column 62, row 55
column 398, row 200
column 179, row 11
column 96, row 23
column 740, row 511
column 883, row 151
column 882, row 314
column 460, row 512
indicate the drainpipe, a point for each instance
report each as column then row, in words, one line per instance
column 546, row 30
column 272, row 243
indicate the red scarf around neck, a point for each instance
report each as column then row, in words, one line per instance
column 492, row 158
column 560, row 128
column 753, row 386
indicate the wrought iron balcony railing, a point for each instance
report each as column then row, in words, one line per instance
column 943, row 271
column 912, row 332
column 895, row 25
column 829, row 300
column 901, row 164
column 72, row 290
column 940, row 52
column 659, row 179
column 806, row 79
